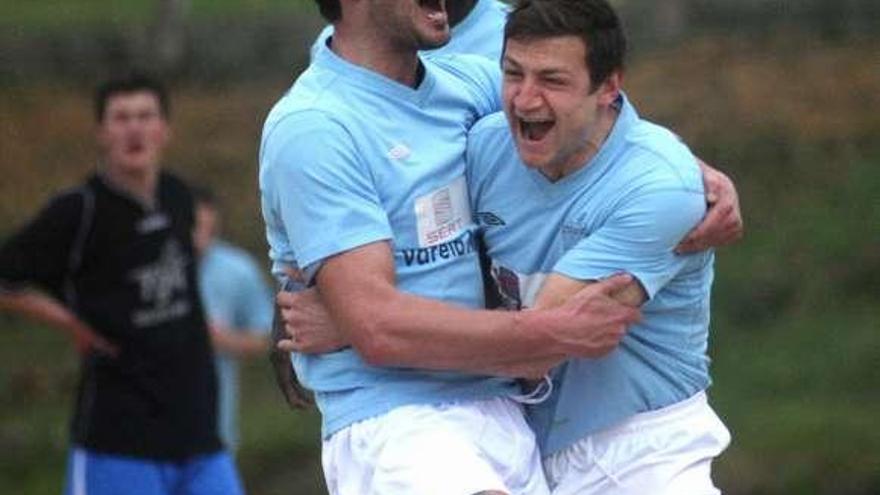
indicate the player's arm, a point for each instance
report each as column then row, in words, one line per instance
column 558, row 288
column 343, row 240
column 723, row 223
column 392, row 328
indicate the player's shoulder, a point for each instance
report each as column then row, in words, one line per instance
column 474, row 72
column 313, row 99
column 464, row 66
column 70, row 201
column 493, row 125
column 660, row 158
column 490, row 147
column 304, row 125
column 174, row 184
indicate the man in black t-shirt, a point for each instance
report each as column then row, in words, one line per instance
column 111, row 264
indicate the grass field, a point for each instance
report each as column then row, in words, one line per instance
column 794, row 337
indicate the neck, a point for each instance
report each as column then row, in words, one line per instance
column 374, row 52
column 141, row 186
column 590, row 148
column 457, row 11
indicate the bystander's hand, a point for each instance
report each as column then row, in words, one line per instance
column 87, row 341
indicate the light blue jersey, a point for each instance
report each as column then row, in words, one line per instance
column 625, row 211
column 481, row 32
column 235, row 296
column 349, row 157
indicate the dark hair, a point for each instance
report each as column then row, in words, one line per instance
column 130, row 83
column 593, row 21
column 331, row 11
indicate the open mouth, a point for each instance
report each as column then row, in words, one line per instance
column 134, row 148
column 435, row 9
column 535, row 130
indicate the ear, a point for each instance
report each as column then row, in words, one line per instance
column 610, row 89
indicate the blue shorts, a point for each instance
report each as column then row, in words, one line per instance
column 93, row 473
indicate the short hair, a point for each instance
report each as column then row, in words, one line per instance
column 330, row 10
column 130, row 83
column 593, row 21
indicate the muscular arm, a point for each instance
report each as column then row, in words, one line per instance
column 723, row 223
column 44, row 309
column 392, row 328
column 558, row 288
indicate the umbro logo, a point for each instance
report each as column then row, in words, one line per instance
column 489, row 218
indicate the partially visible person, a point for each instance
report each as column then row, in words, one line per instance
column 238, row 305
column 362, row 183
column 476, row 27
column 578, row 187
column 110, row 263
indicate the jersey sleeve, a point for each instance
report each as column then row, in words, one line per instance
column 638, row 237
column 481, row 77
column 324, row 193
column 39, row 254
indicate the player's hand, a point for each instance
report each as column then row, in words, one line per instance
column 297, row 396
column 723, row 223
column 87, row 341
column 592, row 322
column 308, row 326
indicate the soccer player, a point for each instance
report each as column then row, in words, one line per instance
column 237, row 302
column 362, row 183
column 575, row 187
column 111, row 264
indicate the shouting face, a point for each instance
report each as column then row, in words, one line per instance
column 553, row 110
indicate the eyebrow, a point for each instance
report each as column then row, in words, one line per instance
column 550, row 71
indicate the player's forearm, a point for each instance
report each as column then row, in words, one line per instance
column 39, row 307
column 397, row 329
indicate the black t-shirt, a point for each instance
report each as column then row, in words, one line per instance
column 129, row 272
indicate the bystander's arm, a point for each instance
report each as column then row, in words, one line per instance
column 44, row 309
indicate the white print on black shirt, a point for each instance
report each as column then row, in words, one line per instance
column 163, row 286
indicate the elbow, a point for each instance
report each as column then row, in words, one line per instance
column 373, row 342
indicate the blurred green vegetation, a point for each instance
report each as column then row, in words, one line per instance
column 44, row 14
column 793, row 118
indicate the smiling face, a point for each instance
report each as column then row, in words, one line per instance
column 419, row 24
column 133, row 132
column 555, row 114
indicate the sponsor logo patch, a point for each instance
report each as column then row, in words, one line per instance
column 443, row 214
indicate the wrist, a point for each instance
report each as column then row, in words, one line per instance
column 536, row 329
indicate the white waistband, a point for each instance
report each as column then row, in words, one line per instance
column 649, row 419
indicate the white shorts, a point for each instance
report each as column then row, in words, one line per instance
column 663, row 452
column 450, row 449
